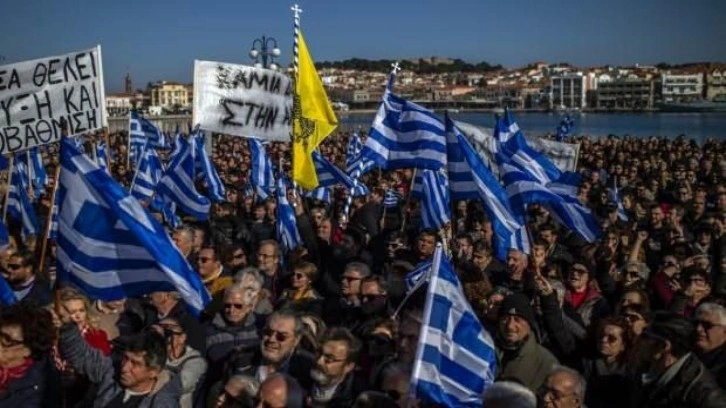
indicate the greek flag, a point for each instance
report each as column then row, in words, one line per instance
column 329, row 175
column 461, row 180
column 354, row 148
column 456, row 359
column 108, row 245
column 102, row 156
column 53, row 230
column 4, row 163
column 391, row 199
column 355, row 164
column 565, row 127
column 148, row 174
column 567, row 185
column 177, row 184
column 287, row 233
column 520, row 154
column 508, row 128
column 320, row 194
column 433, row 190
column 615, row 197
column 405, row 135
column 39, row 175
column 509, row 227
column 215, row 187
column 522, row 189
column 19, row 205
column 7, row 296
column 143, row 132
column 262, row 175
column 418, row 276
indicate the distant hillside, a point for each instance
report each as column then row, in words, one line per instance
column 431, row 65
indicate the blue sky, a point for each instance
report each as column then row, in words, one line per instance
column 159, row 39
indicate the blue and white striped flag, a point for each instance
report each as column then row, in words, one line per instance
column 40, row 177
column 215, row 187
column 405, row 135
column 177, row 184
column 109, row 246
column 287, row 232
column 507, row 129
column 102, row 156
column 148, row 174
column 330, row 175
column 614, row 196
column 320, row 194
column 565, row 127
column 354, row 148
column 456, row 358
column 262, row 175
column 143, row 132
column 520, row 154
column 391, row 199
column 19, row 205
column 7, row 296
column 522, row 190
column 418, row 276
column 509, row 227
column 432, row 188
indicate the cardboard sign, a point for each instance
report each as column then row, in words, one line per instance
column 242, row 101
column 35, row 96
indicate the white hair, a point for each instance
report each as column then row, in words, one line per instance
column 714, row 309
column 580, row 383
column 251, row 278
column 504, row 394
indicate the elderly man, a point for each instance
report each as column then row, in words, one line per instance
column 234, row 329
column 184, row 240
column 563, row 388
column 516, row 278
column 279, row 351
column 333, row 373
column 345, row 310
column 711, row 339
column 521, row 357
column 268, row 262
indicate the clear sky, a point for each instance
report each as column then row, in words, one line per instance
column 159, row 39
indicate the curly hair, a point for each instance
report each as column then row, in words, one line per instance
column 35, row 323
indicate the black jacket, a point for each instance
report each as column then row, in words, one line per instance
column 38, row 388
column 692, row 387
column 345, row 394
column 715, row 361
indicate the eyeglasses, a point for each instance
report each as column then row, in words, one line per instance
column 553, row 393
column 237, row 306
column 331, row 359
column 265, row 256
column 351, row 278
column 299, row 276
column 14, row 266
column 6, row 341
column 707, row 325
column 279, row 336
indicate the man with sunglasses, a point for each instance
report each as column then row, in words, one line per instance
column 20, row 274
column 335, row 385
column 182, row 360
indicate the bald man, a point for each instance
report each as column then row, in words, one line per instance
column 280, row 390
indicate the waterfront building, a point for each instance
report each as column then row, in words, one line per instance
column 716, row 84
column 681, row 87
column 626, row 93
column 119, row 104
column 172, row 96
column 568, row 91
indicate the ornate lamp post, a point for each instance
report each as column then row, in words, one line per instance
column 265, row 49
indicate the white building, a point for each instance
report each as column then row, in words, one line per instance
column 568, row 91
column 118, row 104
column 681, row 87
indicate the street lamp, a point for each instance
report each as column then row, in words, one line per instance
column 264, row 52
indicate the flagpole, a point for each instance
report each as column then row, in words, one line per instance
column 29, row 163
column 296, row 10
column 11, row 168
column 49, row 222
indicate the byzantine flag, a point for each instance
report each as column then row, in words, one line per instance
column 313, row 118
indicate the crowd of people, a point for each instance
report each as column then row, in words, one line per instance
column 637, row 318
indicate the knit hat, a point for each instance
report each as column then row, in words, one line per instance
column 672, row 327
column 518, row 304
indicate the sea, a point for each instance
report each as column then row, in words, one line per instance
column 697, row 126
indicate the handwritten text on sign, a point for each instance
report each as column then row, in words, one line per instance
column 36, row 95
column 242, row 101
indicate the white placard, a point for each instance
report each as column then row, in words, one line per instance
column 35, row 96
column 242, row 101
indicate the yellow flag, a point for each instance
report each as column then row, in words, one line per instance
column 313, row 118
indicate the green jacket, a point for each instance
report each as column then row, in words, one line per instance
column 529, row 365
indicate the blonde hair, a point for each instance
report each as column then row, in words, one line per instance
column 67, row 294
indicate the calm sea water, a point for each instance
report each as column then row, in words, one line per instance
column 698, row 126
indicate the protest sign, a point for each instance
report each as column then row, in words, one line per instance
column 243, row 101
column 35, row 96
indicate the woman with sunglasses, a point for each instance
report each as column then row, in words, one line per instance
column 607, row 373
column 302, row 297
column 26, row 338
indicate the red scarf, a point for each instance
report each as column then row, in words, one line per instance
column 13, row 373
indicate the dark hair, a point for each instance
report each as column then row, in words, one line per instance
column 430, row 232
column 36, row 324
column 344, row 335
column 379, row 280
column 27, row 258
column 152, row 344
